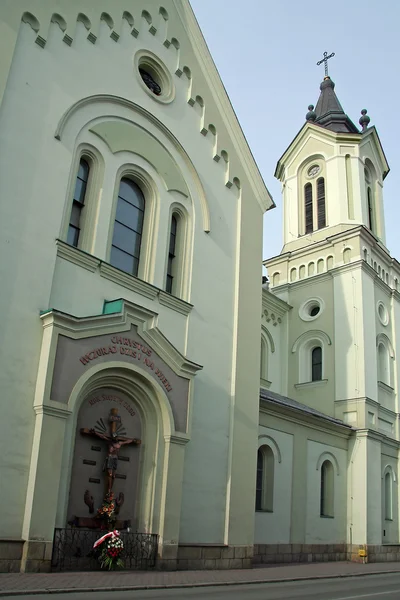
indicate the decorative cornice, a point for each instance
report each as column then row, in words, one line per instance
column 377, row 436
column 177, row 439
column 175, row 303
column 311, row 384
column 78, row 257
column 52, row 411
column 224, row 105
column 91, row 263
column 306, row 420
column 129, row 281
column 271, row 302
column 131, row 314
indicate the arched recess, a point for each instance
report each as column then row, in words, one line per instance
column 157, row 432
column 264, row 439
column 183, row 249
column 389, row 469
column 382, row 338
column 388, row 494
column 96, row 163
column 385, row 359
column 328, row 456
column 312, row 334
column 308, row 195
column 269, row 337
column 81, row 114
column 267, row 347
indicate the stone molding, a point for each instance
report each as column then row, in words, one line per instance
column 139, row 286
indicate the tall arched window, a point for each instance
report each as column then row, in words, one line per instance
column 321, row 202
column 327, row 490
column 371, row 223
column 171, row 264
column 316, row 364
column 383, row 364
column 265, row 479
column 78, row 203
column 128, row 227
column 388, row 497
column 308, row 208
column 264, row 359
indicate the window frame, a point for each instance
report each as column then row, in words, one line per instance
column 78, row 204
column 87, row 221
column 327, row 490
column 183, row 249
column 150, row 225
column 172, row 257
column 265, row 479
column 316, row 365
column 310, row 209
column 136, row 234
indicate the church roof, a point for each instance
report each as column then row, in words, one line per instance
column 293, row 404
column 329, row 112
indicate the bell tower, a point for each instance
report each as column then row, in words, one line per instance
column 332, row 174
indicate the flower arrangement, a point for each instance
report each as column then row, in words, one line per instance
column 107, row 509
column 111, row 550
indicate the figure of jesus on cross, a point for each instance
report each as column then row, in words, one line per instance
column 114, row 444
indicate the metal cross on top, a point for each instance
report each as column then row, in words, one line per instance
column 325, row 60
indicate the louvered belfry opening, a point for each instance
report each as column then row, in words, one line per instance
column 321, row 202
column 308, row 206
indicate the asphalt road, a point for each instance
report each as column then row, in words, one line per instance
column 372, row 587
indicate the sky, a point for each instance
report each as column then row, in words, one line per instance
column 266, row 53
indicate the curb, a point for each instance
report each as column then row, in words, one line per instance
column 134, row 588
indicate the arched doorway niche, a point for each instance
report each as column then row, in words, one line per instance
column 156, row 461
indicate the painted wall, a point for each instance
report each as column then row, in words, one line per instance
column 224, row 216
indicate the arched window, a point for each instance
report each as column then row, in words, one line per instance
column 371, row 223
column 327, row 490
column 128, row 227
column 265, row 479
column 171, row 264
column 321, row 202
column 388, row 497
column 78, row 203
column 383, row 364
column 308, row 208
column 264, row 359
column 316, row 364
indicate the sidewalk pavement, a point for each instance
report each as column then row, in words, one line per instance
column 23, row 584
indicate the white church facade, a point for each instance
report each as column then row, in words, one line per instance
column 131, row 214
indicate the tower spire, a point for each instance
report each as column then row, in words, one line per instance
column 328, row 112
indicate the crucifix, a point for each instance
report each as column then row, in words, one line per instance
column 325, row 60
column 115, row 441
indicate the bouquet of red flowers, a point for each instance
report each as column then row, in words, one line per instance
column 111, row 550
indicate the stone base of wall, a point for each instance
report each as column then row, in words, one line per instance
column 210, row 557
column 381, row 553
column 302, row 553
column 10, row 555
column 36, row 557
column 298, row 553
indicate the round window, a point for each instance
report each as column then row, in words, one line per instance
column 154, row 77
column 313, row 170
column 383, row 314
column 311, row 309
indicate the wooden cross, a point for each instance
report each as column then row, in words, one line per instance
column 114, row 444
column 325, row 60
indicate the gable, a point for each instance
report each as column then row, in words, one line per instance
column 173, row 32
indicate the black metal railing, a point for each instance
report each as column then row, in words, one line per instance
column 73, row 550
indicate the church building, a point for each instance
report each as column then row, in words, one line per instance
column 144, row 365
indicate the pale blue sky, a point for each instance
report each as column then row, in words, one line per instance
column 266, row 52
